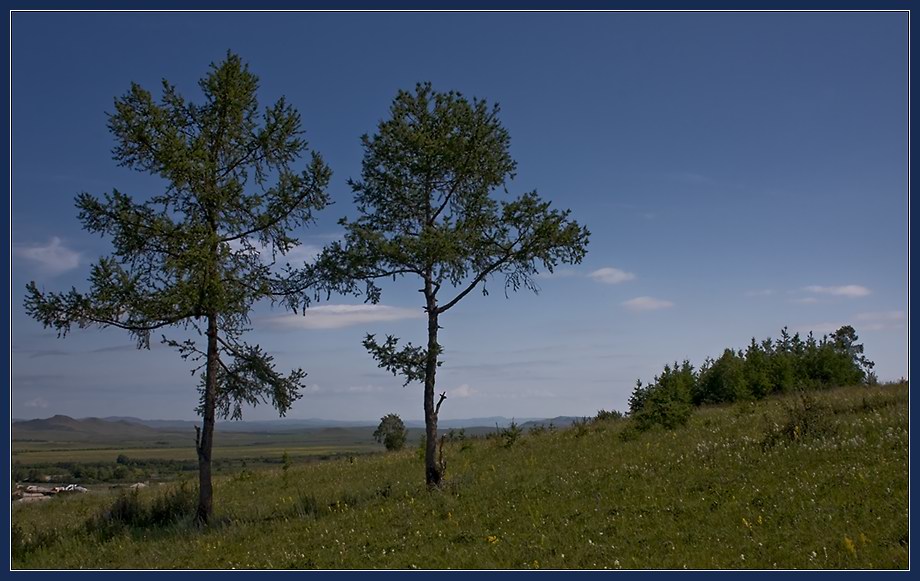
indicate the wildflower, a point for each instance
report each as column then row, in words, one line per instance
column 492, row 539
column 849, row 545
column 745, row 522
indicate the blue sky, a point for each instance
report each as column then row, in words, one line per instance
column 738, row 171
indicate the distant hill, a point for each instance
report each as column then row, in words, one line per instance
column 487, row 422
column 160, row 424
column 558, row 421
column 287, row 424
column 66, row 428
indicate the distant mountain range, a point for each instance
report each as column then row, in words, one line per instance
column 66, row 428
column 128, row 432
column 115, row 425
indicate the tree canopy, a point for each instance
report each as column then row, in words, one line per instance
column 391, row 432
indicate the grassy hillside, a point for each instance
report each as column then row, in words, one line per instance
column 777, row 484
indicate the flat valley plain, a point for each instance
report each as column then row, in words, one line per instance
column 46, row 447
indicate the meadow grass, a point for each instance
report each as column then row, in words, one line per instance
column 738, row 487
column 188, row 453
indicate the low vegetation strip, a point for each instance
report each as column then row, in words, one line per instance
column 815, row 480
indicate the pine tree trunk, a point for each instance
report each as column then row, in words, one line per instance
column 433, row 472
column 206, row 436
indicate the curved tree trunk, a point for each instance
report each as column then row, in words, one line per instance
column 206, row 435
column 433, row 471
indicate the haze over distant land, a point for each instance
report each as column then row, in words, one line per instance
column 747, row 174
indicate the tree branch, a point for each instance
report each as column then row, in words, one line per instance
column 272, row 222
column 136, row 328
column 441, row 399
column 479, row 278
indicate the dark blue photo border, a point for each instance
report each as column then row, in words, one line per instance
column 571, row 5
column 641, row 5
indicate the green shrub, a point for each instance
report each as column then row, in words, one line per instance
column 802, row 418
column 307, row 505
column 537, row 430
column 22, row 543
column 176, row 504
column 127, row 510
column 19, row 542
column 511, row 434
column 663, row 410
column 603, row 415
column 630, row 432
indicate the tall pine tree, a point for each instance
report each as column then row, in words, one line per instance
column 199, row 254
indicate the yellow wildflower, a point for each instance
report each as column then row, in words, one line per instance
column 849, row 545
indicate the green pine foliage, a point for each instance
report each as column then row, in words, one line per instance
column 666, row 401
column 762, row 369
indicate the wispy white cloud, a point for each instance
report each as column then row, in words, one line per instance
column 647, row 304
column 849, row 290
column 610, row 275
column 462, row 392
column 338, row 316
column 804, row 300
column 52, row 258
column 880, row 321
column 300, row 253
column 38, row 402
column 606, row 275
column 315, row 389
